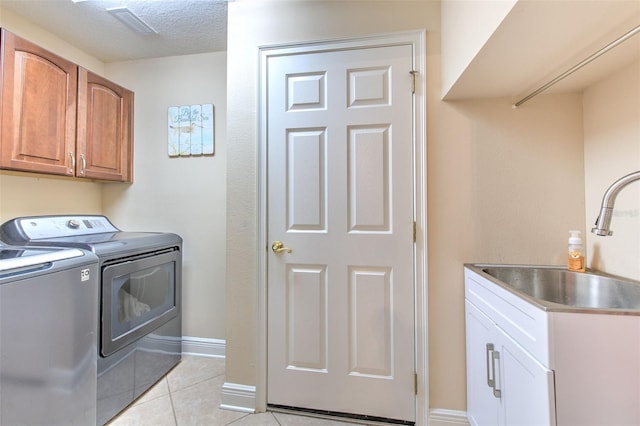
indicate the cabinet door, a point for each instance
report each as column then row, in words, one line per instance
column 38, row 127
column 526, row 386
column 105, row 120
column 505, row 385
column 482, row 405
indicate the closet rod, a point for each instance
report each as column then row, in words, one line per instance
column 576, row 67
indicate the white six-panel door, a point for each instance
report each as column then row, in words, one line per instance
column 340, row 197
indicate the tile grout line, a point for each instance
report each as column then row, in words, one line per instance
column 276, row 418
column 173, row 407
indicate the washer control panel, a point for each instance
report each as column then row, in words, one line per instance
column 64, row 226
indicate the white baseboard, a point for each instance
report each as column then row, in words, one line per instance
column 203, row 347
column 238, row 397
column 443, row 417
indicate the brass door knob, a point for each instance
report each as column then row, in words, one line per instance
column 278, row 247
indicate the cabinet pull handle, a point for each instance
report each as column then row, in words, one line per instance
column 495, row 355
column 73, row 162
column 84, row 164
column 490, row 377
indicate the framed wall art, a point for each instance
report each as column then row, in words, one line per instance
column 190, row 130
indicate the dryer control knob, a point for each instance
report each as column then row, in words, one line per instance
column 73, row 224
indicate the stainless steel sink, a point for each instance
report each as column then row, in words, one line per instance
column 572, row 289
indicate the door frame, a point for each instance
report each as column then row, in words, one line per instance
column 417, row 40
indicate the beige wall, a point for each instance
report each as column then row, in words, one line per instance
column 504, row 185
column 184, row 195
column 612, row 150
column 25, row 194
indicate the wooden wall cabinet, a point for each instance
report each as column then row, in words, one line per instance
column 39, row 92
column 105, row 129
column 59, row 118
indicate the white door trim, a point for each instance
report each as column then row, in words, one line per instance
column 417, row 39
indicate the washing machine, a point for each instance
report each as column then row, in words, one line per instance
column 48, row 329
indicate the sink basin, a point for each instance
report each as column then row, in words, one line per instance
column 573, row 289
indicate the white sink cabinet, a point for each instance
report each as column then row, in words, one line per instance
column 530, row 365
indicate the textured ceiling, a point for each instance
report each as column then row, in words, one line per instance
column 183, row 26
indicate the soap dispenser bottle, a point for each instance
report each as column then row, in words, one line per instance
column 575, row 259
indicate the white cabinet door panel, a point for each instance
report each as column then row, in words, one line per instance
column 527, row 389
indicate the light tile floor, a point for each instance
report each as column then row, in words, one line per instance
column 190, row 396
